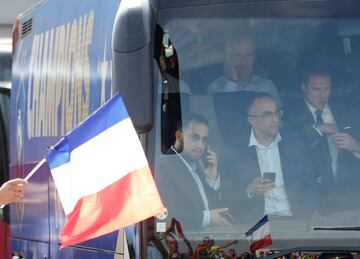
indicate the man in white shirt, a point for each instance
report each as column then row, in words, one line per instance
column 268, row 151
column 238, row 69
column 329, row 129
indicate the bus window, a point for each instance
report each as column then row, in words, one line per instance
column 244, row 109
column 255, row 84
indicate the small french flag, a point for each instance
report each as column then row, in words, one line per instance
column 259, row 235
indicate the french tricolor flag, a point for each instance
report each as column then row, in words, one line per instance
column 102, row 175
column 259, row 235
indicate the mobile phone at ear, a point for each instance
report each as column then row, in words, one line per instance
column 270, row 176
column 204, row 157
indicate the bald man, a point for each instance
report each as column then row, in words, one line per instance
column 286, row 194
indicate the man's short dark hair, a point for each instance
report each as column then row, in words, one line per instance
column 256, row 97
column 196, row 117
column 315, row 70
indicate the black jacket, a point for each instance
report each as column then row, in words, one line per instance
column 332, row 193
column 180, row 193
column 240, row 167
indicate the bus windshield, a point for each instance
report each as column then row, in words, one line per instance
column 258, row 115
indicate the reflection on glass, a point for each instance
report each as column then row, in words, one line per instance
column 275, row 95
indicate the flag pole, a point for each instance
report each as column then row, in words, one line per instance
column 35, row 169
column 31, row 173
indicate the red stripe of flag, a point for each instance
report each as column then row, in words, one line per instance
column 136, row 199
column 261, row 243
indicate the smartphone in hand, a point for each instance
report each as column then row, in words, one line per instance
column 270, row 176
column 204, row 157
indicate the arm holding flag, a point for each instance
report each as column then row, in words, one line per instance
column 105, row 151
column 228, row 244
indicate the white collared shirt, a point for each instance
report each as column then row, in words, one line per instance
column 257, row 84
column 276, row 200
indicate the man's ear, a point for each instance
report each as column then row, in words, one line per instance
column 250, row 120
column 179, row 135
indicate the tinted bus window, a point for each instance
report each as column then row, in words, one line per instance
column 258, row 115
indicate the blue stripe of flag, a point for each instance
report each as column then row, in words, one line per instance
column 258, row 225
column 111, row 113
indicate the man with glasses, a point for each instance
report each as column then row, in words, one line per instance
column 330, row 130
column 268, row 168
column 188, row 178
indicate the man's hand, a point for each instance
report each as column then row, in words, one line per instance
column 346, row 141
column 210, row 171
column 259, row 186
column 216, row 219
column 230, row 70
column 12, row 191
column 327, row 128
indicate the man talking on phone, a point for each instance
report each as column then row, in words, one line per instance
column 188, row 178
column 268, row 168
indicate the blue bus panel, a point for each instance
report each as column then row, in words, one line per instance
column 61, row 74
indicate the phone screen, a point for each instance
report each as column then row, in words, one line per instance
column 270, row 176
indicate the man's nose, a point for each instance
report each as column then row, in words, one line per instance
column 201, row 144
column 275, row 117
column 323, row 94
column 198, row 142
column 243, row 61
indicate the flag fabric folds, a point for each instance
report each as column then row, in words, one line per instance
column 102, row 175
column 259, row 235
